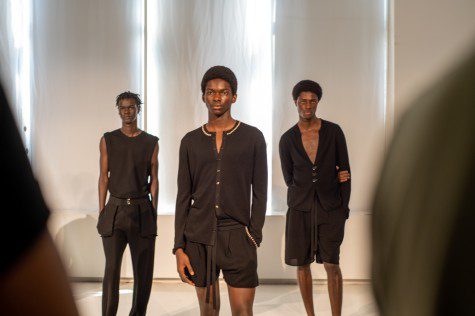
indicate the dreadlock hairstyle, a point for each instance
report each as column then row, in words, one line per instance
column 220, row 72
column 307, row 86
column 129, row 95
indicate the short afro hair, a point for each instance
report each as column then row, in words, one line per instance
column 129, row 95
column 307, row 86
column 220, row 72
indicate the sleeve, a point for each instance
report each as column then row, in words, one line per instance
column 343, row 162
column 183, row 199
column 286, row 161
column 28, row 213
column 259, row 189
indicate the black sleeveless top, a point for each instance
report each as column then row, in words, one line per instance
column 129, row 160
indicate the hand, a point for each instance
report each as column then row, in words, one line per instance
column 182, row 262
column 343, row 175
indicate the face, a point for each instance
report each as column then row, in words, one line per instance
column 128, row 110
column 307, row 103
column 218, row 96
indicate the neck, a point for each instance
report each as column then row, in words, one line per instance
column 130, row 128
column 312, row 122
column 220, row 123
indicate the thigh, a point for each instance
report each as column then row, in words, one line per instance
column 237, row 257
column 198, row 257
column 330, row 238
column 241, row 298
column 298, row 235
column 114, row 246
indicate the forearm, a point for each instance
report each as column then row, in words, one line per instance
column 154, row 192
column 103, row 186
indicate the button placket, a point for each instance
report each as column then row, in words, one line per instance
column 218, row 174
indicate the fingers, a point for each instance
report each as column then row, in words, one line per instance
column 337, row 168
column 343, row 176
column 183, row 277
column 188, row 266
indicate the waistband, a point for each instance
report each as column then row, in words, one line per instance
column 130, row 201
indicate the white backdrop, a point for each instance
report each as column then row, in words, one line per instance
column 85, row 54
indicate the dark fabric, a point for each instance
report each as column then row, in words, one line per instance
column 304, row 179
column 141, row 209
column 129, row 160
column 235, row 254
column 25, row 217
column 328, row 233
column 210, row 185
column 127, row 229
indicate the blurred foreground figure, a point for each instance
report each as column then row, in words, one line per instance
column 424, row 219
column 32, row 279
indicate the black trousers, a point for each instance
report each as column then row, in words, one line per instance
column 133, row 224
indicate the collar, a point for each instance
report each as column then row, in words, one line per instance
column 228, row 132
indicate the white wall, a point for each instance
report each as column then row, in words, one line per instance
column 430, row 36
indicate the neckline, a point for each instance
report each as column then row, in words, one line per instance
column 228, row 132
column 302, row 147
column 130, row 137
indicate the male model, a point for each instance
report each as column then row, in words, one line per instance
column 311, row 153
column 129, row 171
column 221, row 201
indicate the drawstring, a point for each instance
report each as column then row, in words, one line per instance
column 313, row 231
column 210, row 273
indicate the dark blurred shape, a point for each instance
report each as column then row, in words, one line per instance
column 32, row 279
column 424, row 217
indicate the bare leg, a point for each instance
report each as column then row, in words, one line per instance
column 335, row 287
column 241, row 300
column 206, row 309
column 304, row 279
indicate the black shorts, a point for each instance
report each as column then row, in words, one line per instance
column 330, row 227
column 236, row 255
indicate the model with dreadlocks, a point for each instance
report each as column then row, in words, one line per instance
column 311, row 152
column 222, row 169
column 128, row 159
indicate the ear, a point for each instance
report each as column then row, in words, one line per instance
column 234, row 98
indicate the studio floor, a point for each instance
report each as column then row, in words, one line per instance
column 176, row 298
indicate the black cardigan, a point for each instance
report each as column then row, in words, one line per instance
column 212, row 186
column 303, row 178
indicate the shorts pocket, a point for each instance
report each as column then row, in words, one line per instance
column 250, row 238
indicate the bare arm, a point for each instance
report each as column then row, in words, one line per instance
column 37, row 284
column 154, row 178
column 103, row 174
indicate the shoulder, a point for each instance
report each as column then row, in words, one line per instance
column 250, row 130
column 287, row 136
column 332, row 127
column 251, row 133
column 150, row 137
column 192, row 135
column 113, row 133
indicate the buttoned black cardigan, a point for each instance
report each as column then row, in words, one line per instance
column 305, row 178
column 232, row 184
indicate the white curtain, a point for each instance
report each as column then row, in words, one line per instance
column 85, row 53
column 185, row 38
column 342, row 45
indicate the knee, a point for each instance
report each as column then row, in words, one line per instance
column 305, row 268
column 243, row 309
column 332, row 269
